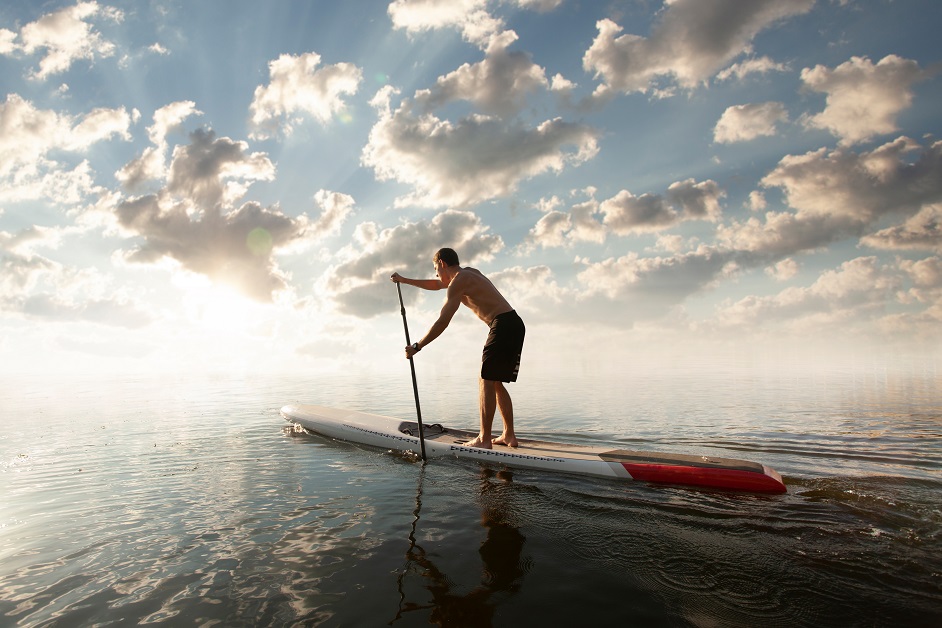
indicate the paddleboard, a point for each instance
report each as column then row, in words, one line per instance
column 660, row 468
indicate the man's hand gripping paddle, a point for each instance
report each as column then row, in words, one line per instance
column 415, row 386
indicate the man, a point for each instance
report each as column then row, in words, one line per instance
column 501, row 359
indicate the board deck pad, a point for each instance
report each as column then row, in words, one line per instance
column 663, row 468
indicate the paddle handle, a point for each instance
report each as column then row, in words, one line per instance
column 415, row 385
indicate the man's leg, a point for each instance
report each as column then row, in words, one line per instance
column 488, row 404
column 506, row 407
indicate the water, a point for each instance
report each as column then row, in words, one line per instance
column 183, row 500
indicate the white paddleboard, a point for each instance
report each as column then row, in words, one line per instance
column 664, row 468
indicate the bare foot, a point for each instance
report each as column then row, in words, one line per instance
column 503, row 439
column 478, row 442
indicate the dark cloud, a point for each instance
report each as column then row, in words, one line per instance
column 233, row 248
column 200, row 171
column 191, row 220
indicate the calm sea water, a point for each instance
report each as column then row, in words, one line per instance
column 185, row 501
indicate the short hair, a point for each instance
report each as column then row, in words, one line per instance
column 446, row 255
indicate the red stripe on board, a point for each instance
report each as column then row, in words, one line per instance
column 733, row 479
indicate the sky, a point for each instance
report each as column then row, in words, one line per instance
column 227, row 185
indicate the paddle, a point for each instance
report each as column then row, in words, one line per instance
column 415, row 386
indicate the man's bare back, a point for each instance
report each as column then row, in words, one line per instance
column 479, row 294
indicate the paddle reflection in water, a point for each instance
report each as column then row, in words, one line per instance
column 502, row 569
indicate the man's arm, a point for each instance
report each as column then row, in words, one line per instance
column 425, row 284
column 452, row 303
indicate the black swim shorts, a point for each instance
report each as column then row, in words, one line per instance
column 501, row 359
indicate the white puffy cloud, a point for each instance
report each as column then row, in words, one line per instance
column 692, row 41
column 863, row 99
column 298, row 85
column 626, row 213
column 924, row 273
column 839, row 194
column 923, row 231
column 558, row 228
column 151, row 165
column 32, row 163
column 783, row 270
column 65, row 35
column 761, row 65
column 623, row 214
column 335, row 207
column 469, row 16
column 359, row 285
column 472, row 160
column 497, row 85
column 858, row 290
column 628, row 288
column 533, row 290
column 741, row 123
column 191, row 220
column 420, row 15
column 30, row 134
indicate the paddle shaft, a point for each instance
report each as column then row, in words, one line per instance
column 415, row 386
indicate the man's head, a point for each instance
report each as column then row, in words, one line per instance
column 446, row 255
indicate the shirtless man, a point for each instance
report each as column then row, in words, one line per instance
column 501, row 358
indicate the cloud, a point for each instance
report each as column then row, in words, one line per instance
column 697, row 201
column 297, row 85
column 30, row 139
column 858, row 290
column 692, row 41
column 783, row 270
column 151, row 165
column 213, row 171
column 497, row 85
column 470, row 161
column 861, row 186
column 37, row 287
column 66, row 35
column 113, row 312
column 420, row 15
column 781, row 234
column 741, row 123
column 648, row 287
column 623, row 214
column 29, row 134
column 761, row 65
column 924, row 273
column 469, row 16
column 863, row 99
column 336, row 207
column 839, row 194
column 233, row 249
column 533, row 290
column 626, row 213
column 923, row 231
column 191, row 221
column 358, row 285
column 558, row 228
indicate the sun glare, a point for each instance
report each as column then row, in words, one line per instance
column 222, row 309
